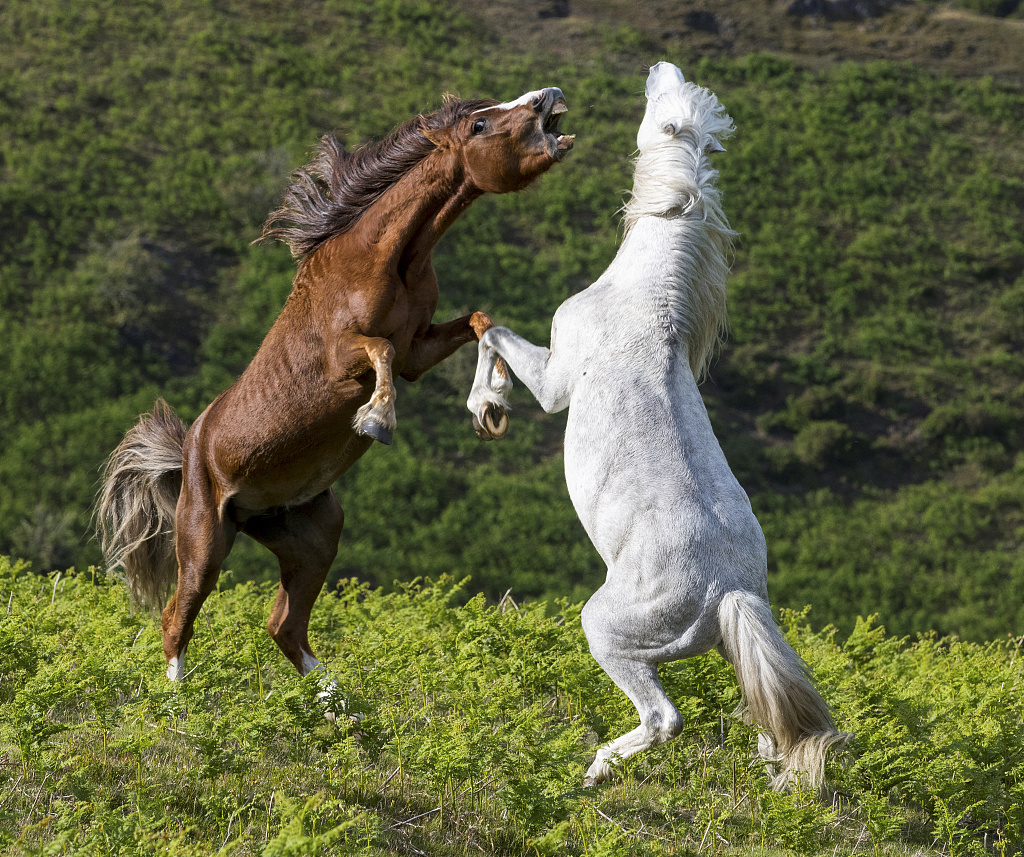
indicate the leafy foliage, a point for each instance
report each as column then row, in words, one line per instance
column 869, row 398
column 467, row 728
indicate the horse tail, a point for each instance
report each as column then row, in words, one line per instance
column 136, row 504
column 777, row 692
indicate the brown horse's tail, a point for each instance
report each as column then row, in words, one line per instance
column 135, row 508
column 777, row 692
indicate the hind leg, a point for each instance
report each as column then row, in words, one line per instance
column 660, row 721
column 202, row 541
column 305, row 541
column 617, row 629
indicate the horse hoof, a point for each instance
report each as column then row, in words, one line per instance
column 494, row 424
column 377, row 430
column 496, row 420
column 479, row 429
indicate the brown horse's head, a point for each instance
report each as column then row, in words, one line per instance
column 504, row 147
column 501, row 148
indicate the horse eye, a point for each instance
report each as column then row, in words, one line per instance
column 479, row 126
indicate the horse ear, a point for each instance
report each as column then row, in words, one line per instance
column 670, row 128
column 440, row 137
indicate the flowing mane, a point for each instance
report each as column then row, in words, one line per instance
column 330, row 193
column 674, row 179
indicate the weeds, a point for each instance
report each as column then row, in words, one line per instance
column 468, row 731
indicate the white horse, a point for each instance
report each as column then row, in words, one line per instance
column 687, row 562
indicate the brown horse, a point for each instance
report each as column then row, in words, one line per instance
column 262, row 457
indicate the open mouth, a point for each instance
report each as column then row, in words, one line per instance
column 563, row 142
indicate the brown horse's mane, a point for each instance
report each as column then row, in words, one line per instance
column 329, row 194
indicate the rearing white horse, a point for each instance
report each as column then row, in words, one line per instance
column 687, row 562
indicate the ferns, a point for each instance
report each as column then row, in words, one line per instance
column 470, row 728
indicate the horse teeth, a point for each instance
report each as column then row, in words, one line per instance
column 565, row 141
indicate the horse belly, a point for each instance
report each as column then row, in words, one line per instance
column 295, row 482
column 283, row 452
column 609, row 438
column 656, row 496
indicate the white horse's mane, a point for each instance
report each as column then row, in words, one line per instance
column 673, row 178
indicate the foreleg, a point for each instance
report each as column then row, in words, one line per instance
column 539, row 368
column 442, row 340
column 376, row 418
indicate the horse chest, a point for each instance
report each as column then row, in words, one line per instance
column 393, row 312
column 602, row 327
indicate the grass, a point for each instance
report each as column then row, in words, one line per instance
column 468, row 731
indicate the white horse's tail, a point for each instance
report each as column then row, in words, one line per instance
column 777, row 692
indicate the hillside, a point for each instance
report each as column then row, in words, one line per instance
column 869, row 397
column 967, row 38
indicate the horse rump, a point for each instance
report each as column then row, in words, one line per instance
column 135, row 509
column 777, row 692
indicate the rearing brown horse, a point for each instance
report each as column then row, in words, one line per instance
column 262, row 457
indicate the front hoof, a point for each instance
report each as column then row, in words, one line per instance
column 494, row 422
column 376, row 430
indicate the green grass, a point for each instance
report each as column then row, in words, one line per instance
column 475, row 727
column 869, row 397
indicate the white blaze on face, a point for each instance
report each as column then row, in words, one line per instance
column 524, row 99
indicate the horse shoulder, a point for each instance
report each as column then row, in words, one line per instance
column 579, row 324
column 421, row 295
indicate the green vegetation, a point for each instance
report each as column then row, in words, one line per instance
column 872, row 377
column 476, row 726
column 870, row 399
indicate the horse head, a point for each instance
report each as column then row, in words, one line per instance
column 504, row 147
column 681, row 112
column 683, row 124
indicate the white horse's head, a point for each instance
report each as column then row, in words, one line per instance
column 681, row 113
column 673, row 181
column 683, row 124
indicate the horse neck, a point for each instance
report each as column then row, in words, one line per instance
column 412, row 215
column 673, row 269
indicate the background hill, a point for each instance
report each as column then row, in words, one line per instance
column 870, row 397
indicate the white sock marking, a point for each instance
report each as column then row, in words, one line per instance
column 176, row 667
column 309, row 663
